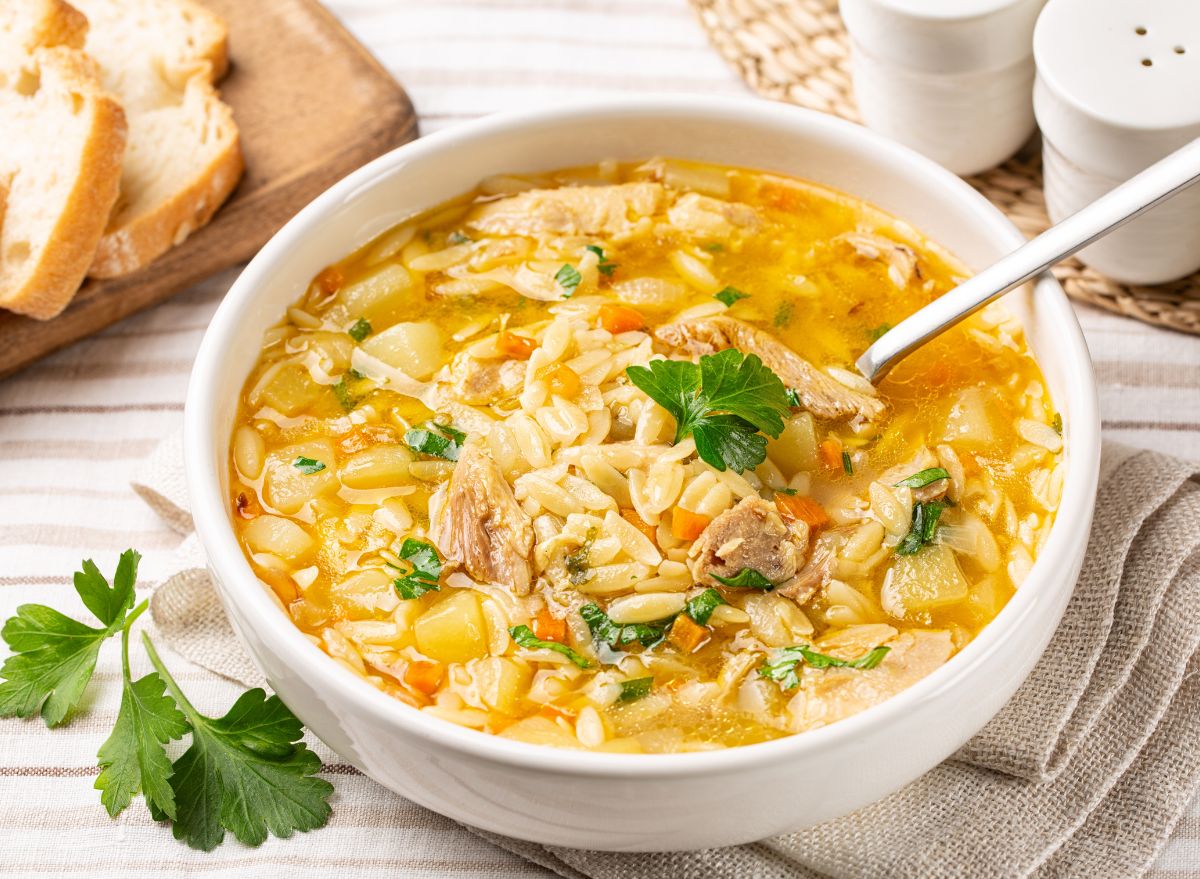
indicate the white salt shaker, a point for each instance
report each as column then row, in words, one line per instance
column 1118, row 87
column 952, row 79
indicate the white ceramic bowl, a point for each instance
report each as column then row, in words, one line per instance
column 621, row 801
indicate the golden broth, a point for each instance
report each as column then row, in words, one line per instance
column 326, row 485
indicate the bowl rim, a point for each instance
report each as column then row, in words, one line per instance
column 283, row 638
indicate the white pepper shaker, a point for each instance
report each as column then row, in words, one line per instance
column 1118, row 88
column 952, row 79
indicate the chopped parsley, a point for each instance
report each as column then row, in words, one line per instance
column 360, row 329
column 634, row 689
column 701, row 608
column 435, row 440
column 607, row 632
column 457, row 238
column 793, row 398
column 783, row 314
column 578, row 567
column 876, row 333
column 782, row 668
column 924, row 525
column 847, row 464
column 606, row 266
column 523, row 636
column 924, row 478
column 342, row 391
column 1057, row 423
column 722, row 402
column 424, row 572
column 714, row 247
column 746, row 578
column 568, row 278
column 308, row 466
column 730, row 295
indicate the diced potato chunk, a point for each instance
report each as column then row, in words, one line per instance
column 287, row 487
column 928, row 579
column 380, row 466
column 969, row 422
column 414, row 348
column 376, row 294
column 501, row 683
column 278, row 536
column 291, row 391
column 796, row 447
column 453, row 630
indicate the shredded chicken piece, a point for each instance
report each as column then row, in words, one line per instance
column 705, row 217
column 607, row 211
column 828, row 695
column 818, row 393
column 484, row 382
column 812, row 578
column 902, row 261
column 482, row 526
column 750, row 535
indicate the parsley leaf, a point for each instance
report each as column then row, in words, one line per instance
column 54, row 655
column 435, row 440
column 924, row 525
column 924, row 478
column 793, row 398
column 360, row 329
column 344, row 397
column 723, row 402
column 133, row 758
column 702, row 606
column 606, row 266
column 577, row 562
column 730, row 295
column 524, row 636
column 746, row 578
column 308, row 466
column 568, row 278
column 607, row 632
column 877, row 333
column 847, row 464
column 635, row 689
column 783, row 666
column 426, row 569
column 783, row 314
column 247, row 772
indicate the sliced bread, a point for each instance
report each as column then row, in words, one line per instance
column 161, row 59
column 60, row 156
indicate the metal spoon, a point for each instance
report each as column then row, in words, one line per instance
column 1156, row 184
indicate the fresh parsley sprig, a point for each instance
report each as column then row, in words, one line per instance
column 924, row 526
column 426, row 568
column 523, row 636
column 605, row 631
column 746, row 578
column 722, row 402
column 247, row 772
column 702, row 606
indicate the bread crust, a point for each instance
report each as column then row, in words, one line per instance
column 62, row 261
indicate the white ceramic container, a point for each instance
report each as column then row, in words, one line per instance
column 952, row 79
column 623, row 801
column 1118, row 88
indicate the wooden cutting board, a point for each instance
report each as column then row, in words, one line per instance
column 312, row 105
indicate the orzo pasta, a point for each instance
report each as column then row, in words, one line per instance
column 580, row 459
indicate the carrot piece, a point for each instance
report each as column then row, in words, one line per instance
column 620, row 318
column 553, row 712
column 515, row 346
column 686, row 525
column 831, row 453
column 548, row 627
column 330, row 280
column 640, row 524
column 686, row 634
column 424, row 676
column 797, row 506
column 562, row 380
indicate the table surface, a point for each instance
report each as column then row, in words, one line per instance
column 76, row 427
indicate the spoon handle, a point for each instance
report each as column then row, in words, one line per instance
column 1138, row 194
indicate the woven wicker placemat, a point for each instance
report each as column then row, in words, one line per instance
column 798, row 51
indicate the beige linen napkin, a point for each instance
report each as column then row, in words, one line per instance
column 1083, row 773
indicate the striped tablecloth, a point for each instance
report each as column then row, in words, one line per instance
column 74, row 428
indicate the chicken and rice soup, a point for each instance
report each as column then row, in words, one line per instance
column 580, row 459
